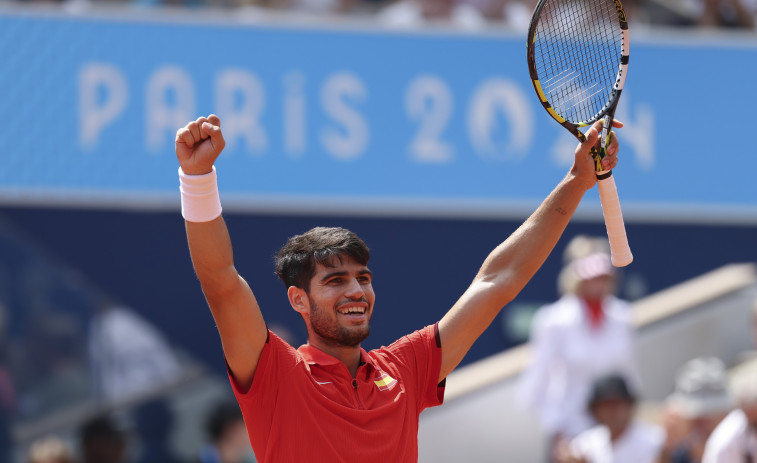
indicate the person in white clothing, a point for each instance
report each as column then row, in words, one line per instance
column 128, row 355
column 735, row 438
column 618, row 437
column 414, row 13
column 585, row 335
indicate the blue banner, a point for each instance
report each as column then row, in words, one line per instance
column 354, row 120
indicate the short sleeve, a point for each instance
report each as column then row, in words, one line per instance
column 420, row 353
column 276, row 358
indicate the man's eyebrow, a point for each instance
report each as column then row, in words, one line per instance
column 341, row 273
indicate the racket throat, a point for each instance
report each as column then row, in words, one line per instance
column 604, row 175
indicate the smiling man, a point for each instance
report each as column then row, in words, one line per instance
column 330, row 400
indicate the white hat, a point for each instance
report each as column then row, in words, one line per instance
column 592, row 266
column 580, row 262
column 701, row 388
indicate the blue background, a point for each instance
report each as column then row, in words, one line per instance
column 685, row 143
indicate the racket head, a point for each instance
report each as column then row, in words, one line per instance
column 578, row 58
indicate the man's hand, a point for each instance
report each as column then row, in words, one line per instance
column 198, row 145
column 583, row 166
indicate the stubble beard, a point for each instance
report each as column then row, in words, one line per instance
column 334, row 334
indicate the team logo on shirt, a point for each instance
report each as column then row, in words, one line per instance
column 384, row 381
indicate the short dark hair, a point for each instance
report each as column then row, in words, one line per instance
column 101, row 428
column 610, row 387
column 297, row 259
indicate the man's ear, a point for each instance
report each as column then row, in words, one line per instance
column 299, row 299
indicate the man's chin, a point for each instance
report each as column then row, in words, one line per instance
column 355, row 335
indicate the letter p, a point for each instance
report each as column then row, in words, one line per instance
column 102, row 97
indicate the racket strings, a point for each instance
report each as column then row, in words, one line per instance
column 577, row 56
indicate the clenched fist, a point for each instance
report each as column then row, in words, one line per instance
column 198, row 145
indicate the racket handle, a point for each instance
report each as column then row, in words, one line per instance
column 616, row 229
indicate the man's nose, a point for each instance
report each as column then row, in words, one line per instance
column 354, row 289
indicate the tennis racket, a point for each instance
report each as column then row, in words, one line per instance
column 578, row 60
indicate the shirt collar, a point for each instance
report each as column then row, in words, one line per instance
column 315, row 356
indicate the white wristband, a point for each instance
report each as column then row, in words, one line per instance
column 200, row 201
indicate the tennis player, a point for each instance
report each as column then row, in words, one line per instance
column 330, row 400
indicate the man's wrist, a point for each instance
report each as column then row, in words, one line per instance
column 200, row 201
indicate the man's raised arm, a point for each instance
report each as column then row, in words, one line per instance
column 232, row 303
column 511, row 265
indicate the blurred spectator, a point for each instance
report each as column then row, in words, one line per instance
column 52, row 372
column 308, row 7
column 724, row 13
column 321, row 6
column 102, row 441
column 700, row 401
column 414, row 13
column 635, row 12
column 585, row 335
column 6, row 441
column 618, row 437
column 7, row 394
column 129, row 356
column 50, row 449
column 706, row 13
column 515, row 14
column 229, row 442
column 154, row 422
column 735, row 438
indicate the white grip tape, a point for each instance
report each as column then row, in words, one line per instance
column 200, row 201
column 616, row 230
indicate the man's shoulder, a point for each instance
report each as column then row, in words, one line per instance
column 423, row 339
column 423, row 336
column 280, row 352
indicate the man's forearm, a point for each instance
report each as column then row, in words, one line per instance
column 514, row 262
column 506, row 271
column 211, row 252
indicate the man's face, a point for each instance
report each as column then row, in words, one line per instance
column 616, row 414
column 596, row 288
column 341, row 302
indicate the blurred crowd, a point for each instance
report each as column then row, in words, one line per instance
column 584, row 386
column 87, row 379
column 106, row 393
column 106, row 438
column 464, row 14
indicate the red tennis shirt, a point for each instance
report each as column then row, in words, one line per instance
column 304, row 406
